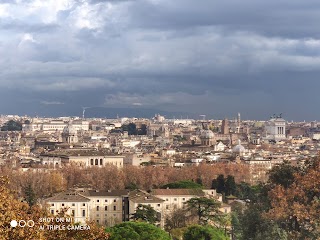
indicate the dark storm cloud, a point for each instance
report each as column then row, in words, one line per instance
column 208, row 57
column 277, row 18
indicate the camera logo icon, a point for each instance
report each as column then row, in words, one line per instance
column 22, row 223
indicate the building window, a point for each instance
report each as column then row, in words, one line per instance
column 158, row 205
column 83, row 204
column 91, row 161
column 106, row 208
column 175, row 199
column 97, row 208
column 97, row 221
column 115, row 208
column 73, row 204
column 114, row 200
column 106, row 200
column 62, row 204
column 98, row 200
column 101, row 161
column 52, row 204
column 83, row 213
column 72, row 213
column 96, row 162
column 183, row 199
column 52, row 211
column 167, row 199
column 167, row 206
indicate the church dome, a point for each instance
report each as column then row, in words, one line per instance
column 238, row 148
column 69, row 130
column 208, row 134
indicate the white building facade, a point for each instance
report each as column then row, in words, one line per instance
column 275, row 128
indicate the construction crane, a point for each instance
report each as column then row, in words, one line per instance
column 84, row 110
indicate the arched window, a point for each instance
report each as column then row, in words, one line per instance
column 96, row 162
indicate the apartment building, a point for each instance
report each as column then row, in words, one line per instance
column 115, row 206
column 108, row 207
column 77, row 206
column 137, row 197
column 105, row 207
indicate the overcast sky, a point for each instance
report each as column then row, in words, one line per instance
column 208, row 57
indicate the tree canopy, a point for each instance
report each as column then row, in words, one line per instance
column 224, row 185
column 145, row 213
column 203, row 233
column 296, row 206
column 132, row 129
column 282, row 174
column 206, row 209
column 137, row 231
column 12, row 125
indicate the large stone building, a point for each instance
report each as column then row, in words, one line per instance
column 53, row 125
column 69, row 134
column 207, row 138
column 104, row 207
column 275, row 128
column 82, row 158
column 111, row 207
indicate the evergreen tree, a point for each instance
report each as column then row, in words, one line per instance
column 30, row 195
column 230, row 186
column 205, row 209
column 220, row 184
column 145, row 213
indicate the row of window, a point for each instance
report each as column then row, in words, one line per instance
column 83, row 213
column 106, row 200
column 106, row 208
column 73, row 204
column 98, row 207
column 158, row 205
column 175, row 199
column 96, row 161
column 83, row 204
column 73, row 213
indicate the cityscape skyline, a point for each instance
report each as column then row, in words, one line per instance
column 127, row 113
column 212, row 58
